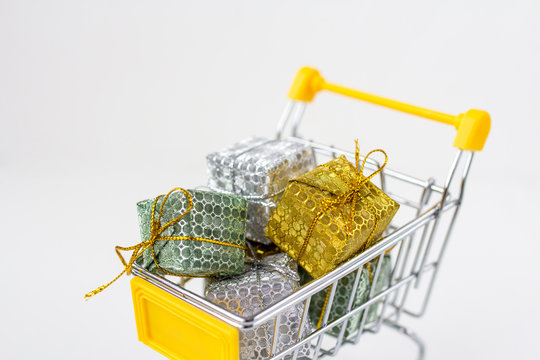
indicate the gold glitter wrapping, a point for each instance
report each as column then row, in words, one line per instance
column 337, row 209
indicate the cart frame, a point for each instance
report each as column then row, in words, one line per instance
column 418, row 245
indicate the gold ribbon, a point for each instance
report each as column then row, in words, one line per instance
column 349, row 197
column 155, row 235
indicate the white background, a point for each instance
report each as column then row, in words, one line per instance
column 104, row 103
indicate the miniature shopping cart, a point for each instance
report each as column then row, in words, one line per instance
column 181, row 324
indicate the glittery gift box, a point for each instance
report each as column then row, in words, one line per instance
column 213, row 216
column 343, row 295
column 329, row 214
column 258, row 169
column 266, row 282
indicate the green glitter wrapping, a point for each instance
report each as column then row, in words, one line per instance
column 214, row 216
column 343, row 292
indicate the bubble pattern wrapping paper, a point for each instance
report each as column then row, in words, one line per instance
column 263, row 285
column 332, row 241
column 259, row 169
column 214, row 216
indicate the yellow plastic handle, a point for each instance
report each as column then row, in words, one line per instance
column 472, row 127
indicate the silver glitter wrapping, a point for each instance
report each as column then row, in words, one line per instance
column 266, row 282
column 258, row 169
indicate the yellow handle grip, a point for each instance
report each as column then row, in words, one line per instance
column 472, row 127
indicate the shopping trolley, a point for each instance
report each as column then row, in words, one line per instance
column 181, row 324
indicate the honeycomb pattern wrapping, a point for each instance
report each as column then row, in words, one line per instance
column 213, row 216
column 343, row 294
column 337, row 234
column 266, row 282
column 258, row 169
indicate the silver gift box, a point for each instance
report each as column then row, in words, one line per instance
column 259, row 170
column 265, row 283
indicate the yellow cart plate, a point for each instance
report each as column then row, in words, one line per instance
column 179, row 330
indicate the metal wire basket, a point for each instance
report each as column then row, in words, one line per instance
column 177, row 322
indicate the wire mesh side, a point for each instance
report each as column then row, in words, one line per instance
column 410, row 262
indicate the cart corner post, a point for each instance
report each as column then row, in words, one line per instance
column 307, row 83
column 472, row 130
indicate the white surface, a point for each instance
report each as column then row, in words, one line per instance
column 106, row 103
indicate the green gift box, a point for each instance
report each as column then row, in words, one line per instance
column 343, row 294
column 198, row 233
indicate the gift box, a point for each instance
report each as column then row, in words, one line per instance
column 343, row 295
column 329, row 214
column 266, row 282
column 203, row 235
column 258, row 169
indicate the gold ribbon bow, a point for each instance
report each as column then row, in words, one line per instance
column 349, row 197
column 155, row 235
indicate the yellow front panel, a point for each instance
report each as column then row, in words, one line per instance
column 179, row 330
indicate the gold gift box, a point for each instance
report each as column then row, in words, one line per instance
column 330, row 214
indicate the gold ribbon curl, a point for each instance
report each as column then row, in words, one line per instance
column 155, row 231
column 350, row 197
